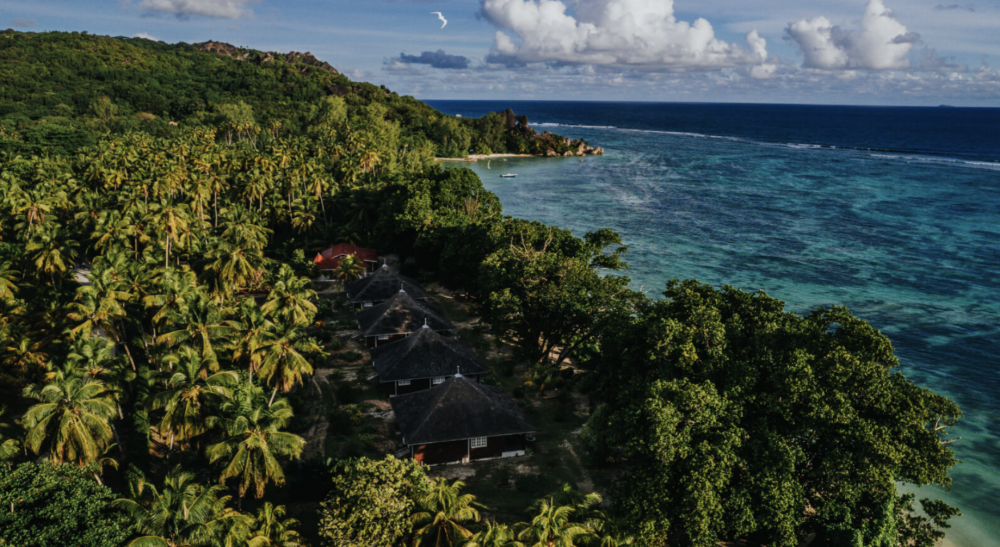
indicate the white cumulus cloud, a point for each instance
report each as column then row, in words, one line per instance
column 625, row 33
column 146, row 35
column 881, row 43
column 226, row 9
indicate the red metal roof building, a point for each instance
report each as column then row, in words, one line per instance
column 329, row 258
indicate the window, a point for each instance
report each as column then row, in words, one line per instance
column 403, row 382
column 478, row 442
column 366, row 304
column 383, row 337
column 439, row 380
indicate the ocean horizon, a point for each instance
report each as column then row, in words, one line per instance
column 893, row 212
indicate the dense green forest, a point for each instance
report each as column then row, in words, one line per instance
column 59, row 92
column 159, row 207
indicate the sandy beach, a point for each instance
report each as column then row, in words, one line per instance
column 477, row 157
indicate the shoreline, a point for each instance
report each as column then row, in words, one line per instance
column 472, row 158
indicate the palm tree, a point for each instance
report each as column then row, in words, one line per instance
column 273, row 530
column 201, row 324
column 172, row 222
column 183, row 514
column 253, row 440
column 93, row 316
column 7, row 278
column 178, row 287
column 72, row 418
column 279, row 357
column 290, row 298
column 54, row 253
column 190, row 395
column 494, row 535
column 252, row 331
column 552, row 527
column 349, row 269
column 9, row 447
column 444, row 510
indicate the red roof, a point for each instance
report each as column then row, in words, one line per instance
column 330, row 257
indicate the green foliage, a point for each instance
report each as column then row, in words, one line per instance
column 544, row 286
column 58, row 506
column 371, row 501
column 182, row 513
column 736, row 416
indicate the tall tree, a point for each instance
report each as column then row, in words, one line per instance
column 253, row 440
column 444, row 513
column 741, row 420
column 280, row 357
column 71, row 419
column 370, row 502
column 182, row 514
column 290, row 300
column 272, row 529
column 552, row 526
column 190, row 395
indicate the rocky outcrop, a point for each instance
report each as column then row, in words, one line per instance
column 294, row 57
column 311, row 60
column 223, row 48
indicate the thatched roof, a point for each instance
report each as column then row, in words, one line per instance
column 382, row 285
column 401, row 314
column 425, row 354
column 459, row 408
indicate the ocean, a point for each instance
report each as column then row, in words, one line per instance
column 892, row 212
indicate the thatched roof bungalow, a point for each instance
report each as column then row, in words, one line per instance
column 422, row 360
column 380, row 286
column 398, row 317
column 461, row 420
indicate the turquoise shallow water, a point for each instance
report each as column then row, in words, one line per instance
column 912, row 245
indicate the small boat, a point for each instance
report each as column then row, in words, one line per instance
column 508, row 175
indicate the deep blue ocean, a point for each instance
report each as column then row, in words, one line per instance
column 893, row 212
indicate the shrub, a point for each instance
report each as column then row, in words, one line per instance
column 48, row 505
column 349, row 356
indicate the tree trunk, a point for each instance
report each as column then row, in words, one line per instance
column 273, row 393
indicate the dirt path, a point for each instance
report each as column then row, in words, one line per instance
column 315, row 436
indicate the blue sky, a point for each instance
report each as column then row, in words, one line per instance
column 906, row 52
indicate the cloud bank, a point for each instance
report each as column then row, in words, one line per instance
column 881, row 43
column 225, row 9
column 642, row 34
column 146, row 35
column 436, row 59
column 22, row 22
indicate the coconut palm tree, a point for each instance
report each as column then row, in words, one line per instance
column 8, row 276
column 171, row 222
column 494, row 535
column 251, row 332
column 53, row 251
column 271, row 529
column 279, row 357
column 290, row 298
column 176, row 288
column 9, row 446
column 443, row 511
column 183, row 514
column 552, row 527
column 201, row 324
column 189, row 396
column 71, row 419
column 349, row 269
column 253, row 440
